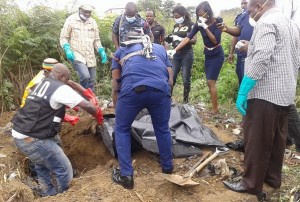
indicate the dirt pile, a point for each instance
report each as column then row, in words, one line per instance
column 94, row 164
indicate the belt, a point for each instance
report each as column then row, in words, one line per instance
column 142, row 88
column 28, row 139
column 212, row 47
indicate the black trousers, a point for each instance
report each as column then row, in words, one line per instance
column 294, row 128
column 265, row 134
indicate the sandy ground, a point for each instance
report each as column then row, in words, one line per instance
column 94, row 164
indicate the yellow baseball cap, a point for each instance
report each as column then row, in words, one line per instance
column 48, row 63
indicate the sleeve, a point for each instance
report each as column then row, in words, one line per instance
column 65, row 33
column 115, row 28
column 193, row 32
column 65, row 95
column 261, row 48
column 97, row 41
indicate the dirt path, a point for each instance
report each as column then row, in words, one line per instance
column 94, row 164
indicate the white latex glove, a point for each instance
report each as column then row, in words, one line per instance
column 171, row 53
column 177, row 38
column 201, row 22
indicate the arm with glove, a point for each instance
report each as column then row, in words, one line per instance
column 69, row 52
column 102, row 53
column 93, row 110
column 245, row 87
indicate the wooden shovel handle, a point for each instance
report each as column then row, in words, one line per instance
column 196, row 165
column 212, row 157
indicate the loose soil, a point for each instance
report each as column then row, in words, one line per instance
column 94, row 164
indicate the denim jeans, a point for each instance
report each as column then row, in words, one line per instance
column 48, row 158
column 128, row 106
column 240, row 68
column 294, row 127
column 183, row 60
column 87, row 75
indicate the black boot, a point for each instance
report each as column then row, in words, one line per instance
column 186, row 92
column 125, row 181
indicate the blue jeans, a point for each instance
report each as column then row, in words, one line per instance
column 87, row 75
column 240, row 68
column 183, row 60
column 48, row 159
column 128, row 106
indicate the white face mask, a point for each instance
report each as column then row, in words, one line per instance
column 179, row 20
column 131, row 20
column 83, row 17
column 252, row 21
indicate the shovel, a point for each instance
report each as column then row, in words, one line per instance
column 186, row 180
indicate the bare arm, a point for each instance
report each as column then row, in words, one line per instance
column 88, row 107
column 233, row 31
column 183, row 42
column 170, row 71
column 115, row 39
column 232, row 48
column 116, row 75
column 76, row 86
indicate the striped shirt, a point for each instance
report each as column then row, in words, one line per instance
column 83, row 37
column 274, row 58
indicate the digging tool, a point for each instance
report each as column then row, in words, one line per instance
column 186, row 179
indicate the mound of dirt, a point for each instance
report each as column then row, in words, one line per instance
column 94, row 163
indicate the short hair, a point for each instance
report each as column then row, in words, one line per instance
column 152, row 11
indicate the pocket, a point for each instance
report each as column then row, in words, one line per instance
column 54, row 129
column 31, row 117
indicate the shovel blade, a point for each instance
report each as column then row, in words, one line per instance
column 179, row 180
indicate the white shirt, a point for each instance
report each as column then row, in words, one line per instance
column 64, row 95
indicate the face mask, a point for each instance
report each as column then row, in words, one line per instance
column 179, row 20
column 252, row 21
column 83, row 17
column 130, row 20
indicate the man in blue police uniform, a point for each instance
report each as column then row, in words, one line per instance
column 127, row 22
column 241, row 32
column 140, row 82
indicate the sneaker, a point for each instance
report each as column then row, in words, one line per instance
column 125, row 181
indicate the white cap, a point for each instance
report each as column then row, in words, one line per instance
column 87, row 7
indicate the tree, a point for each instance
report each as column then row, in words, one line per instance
column 144, row 5
column 168, row 6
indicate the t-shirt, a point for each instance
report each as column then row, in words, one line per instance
column 64, row 95
column 182, row 31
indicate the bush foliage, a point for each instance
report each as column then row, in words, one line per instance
column 28, row 37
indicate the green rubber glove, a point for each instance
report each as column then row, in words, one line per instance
column 69, row 52
column 102, row 53
column 245, row 87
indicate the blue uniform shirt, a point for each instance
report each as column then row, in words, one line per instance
column 242, row 21
column 138, row 70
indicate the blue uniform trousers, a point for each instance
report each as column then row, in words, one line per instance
column 158, row 104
